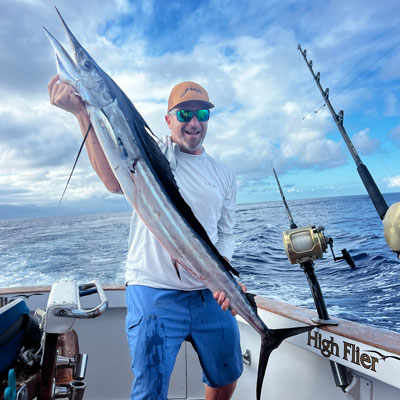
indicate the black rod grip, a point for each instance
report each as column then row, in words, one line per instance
column 373, row 191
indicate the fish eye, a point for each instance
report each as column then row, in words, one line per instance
column 106, row 96
column 87, row 65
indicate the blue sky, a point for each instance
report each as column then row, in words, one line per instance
column 245, row 54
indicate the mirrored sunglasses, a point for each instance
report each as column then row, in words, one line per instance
column 187, row 115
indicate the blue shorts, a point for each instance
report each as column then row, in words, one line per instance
column 159, row 320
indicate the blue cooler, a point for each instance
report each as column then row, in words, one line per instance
column 13, row 321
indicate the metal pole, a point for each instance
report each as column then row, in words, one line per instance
column 340, row 373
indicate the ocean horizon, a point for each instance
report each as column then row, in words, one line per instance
column 42, row 250
column 115, row 204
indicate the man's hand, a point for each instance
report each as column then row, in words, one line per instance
column 223, row 301
column 63, row 96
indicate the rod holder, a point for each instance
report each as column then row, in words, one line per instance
column 323, row 316
column 340, row 372
column 77, row 389
column 78, row 364
column 73, row 391
column 61, row 392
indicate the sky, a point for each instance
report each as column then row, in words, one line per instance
column 269, row 112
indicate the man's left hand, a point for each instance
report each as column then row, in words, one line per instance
column 223, row 301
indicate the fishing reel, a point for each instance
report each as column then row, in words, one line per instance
column 309, row 243
column 305, row 244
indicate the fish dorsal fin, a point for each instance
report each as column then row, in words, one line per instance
column 163, row 170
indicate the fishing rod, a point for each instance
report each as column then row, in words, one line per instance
column 369, row 183
column 303, row 246
column 292, row 224
column 309, row 242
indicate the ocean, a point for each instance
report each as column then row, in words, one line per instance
column 39, row 251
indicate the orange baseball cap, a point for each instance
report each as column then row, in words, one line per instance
column 188, row 91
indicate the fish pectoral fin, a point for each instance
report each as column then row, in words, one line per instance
column 175, row 263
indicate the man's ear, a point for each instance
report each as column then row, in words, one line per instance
column 168, row 121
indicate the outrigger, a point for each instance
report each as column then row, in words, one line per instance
column 373, row 191
column 389, row 215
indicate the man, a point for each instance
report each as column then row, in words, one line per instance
column 165, row 309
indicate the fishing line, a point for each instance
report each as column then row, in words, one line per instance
column 391, row 173
column 304, row 117
column 361, row 73
column 366, row 56
column 309, row 116
column 305, row 120
column 366, row 70
column 314, row 112
column 302, row 92
column 76, row 160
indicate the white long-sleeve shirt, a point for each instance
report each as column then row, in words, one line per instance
column 209, row 188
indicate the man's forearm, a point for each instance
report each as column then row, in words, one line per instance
column 96, row 155
column 63, row 95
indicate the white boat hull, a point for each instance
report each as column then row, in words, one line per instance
column 299, row 368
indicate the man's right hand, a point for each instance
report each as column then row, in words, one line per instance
column 63, row 96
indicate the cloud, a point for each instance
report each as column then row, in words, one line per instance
column 364, row 143
column 245, row 55
column 390, row 69
column 308, row 145
column 393, row 182
column 395, row 133
column 392, row 106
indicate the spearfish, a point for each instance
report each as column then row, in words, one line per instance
column 146, row 179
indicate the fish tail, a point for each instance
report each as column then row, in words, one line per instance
column 270, row 340
column 265, row 352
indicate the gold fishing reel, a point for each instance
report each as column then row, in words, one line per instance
column 305, row 244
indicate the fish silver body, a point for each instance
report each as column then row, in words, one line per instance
column 147, row 182
column 159, row 214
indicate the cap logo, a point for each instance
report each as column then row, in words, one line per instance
column 197, row 90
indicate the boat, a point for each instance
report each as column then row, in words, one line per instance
column 300, row 368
